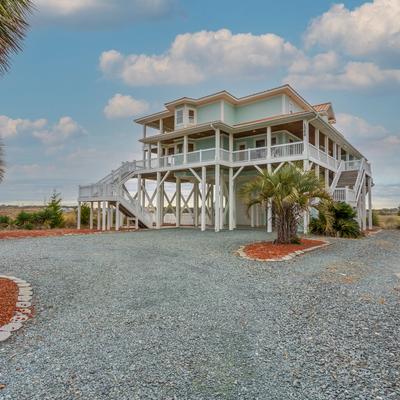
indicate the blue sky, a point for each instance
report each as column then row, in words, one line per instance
column 89, row 68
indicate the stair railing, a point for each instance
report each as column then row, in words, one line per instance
column 336, row 178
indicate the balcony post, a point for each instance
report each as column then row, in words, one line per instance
column 326, row 145
column 149, row 155
column 306, row 139
column 159, row 149
column 269, row 142
column 103, row 217
column 185, row 149
column 231, row 147
column 144, row 145
column 161, row 130
column 217, row 144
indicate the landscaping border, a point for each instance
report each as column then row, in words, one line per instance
column 241, row 253
column 23, row 307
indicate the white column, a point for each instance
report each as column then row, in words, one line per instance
column 144, row 146
column 161, row 130
column 109, row 217
column 221, row 199
column 158, row 201
column 117, row 216
column 326, row 145
column 326, row 178
column 149, row 155
column 316, row 135
column 196, row 204
column 231, row 147
column 138, row 199
column 217, row 204
column 159, row 150
column 98, row 215
column 334, row 150
column 79, row 216
column 203, row 198
column 339, row 150
column 185, row 149
column 369, row 203
column 306, row 141
column 103, row 221
column 178, row 202
column 269, row 141
column 91, row 216
column 217, row 144
column 231, row 206
column 269, row 207
column 364, row 207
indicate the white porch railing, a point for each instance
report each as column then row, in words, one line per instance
column 323, row 157
column 287, row 150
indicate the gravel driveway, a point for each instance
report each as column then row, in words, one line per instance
column 174, row 314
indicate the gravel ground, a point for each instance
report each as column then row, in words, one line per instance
column 174, row 314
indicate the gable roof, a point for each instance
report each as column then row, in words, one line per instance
column 327, row 109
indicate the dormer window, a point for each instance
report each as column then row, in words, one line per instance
column 179, row 117
column 191, row 114
column 185, row 116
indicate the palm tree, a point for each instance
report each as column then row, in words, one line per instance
column 13, row 25
column 291, row 191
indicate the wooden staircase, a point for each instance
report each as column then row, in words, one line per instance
column 347, row 178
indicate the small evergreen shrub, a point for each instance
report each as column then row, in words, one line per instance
column 335, row 219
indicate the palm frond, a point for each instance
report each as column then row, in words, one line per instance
column 13, row 26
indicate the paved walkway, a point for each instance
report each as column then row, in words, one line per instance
column 175, row 314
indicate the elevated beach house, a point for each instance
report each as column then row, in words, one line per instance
column 198, row 152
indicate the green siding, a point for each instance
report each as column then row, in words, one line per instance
column 229, row 113
column 259, row 109
column 208, row 113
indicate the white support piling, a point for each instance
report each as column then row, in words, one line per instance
column 178, row 202
column 231, row 206
column 103, row 220
column 158, row 201
column 79, row 216
column 98, row 215
column 91, row 216
column 203, row 197
column 217, row 213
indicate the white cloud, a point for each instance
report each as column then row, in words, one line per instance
column 100, row 13
column 325, row 71
column 358, row 130
column 371, row 28
column 50, row 135
column 10, row 127
column 377, row 143
column 193, row 57
column 60, row 132
column 121, row 106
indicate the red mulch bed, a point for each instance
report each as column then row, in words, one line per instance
column 8, row 299
column 43, row 232
column 270, row 250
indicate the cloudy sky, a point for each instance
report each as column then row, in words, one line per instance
column 89, row 67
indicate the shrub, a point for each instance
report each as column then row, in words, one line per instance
column 28, row 225
column 335, row 219
column 54, row 211
column 5, row 220
column 22, row 218
column 85, row 214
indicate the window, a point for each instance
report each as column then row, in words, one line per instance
column 191, row 116
column 179, row 117
column 273, row 141
column 260, row 143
